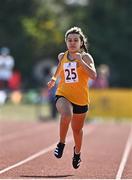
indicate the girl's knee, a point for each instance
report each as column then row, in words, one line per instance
column 67, row 115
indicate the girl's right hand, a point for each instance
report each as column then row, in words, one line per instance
column 51, row 83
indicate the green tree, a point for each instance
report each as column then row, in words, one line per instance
column 12, row 33
column 108, row 26
column 110, row 30
column 46, row 27
column 34, row 29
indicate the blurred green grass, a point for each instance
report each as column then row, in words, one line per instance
column 30, row 112
column 23, row 112
column 107, row 104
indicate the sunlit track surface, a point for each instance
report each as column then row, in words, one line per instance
column 27, row 152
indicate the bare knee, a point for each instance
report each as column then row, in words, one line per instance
column 66, row 116
column 65, row 108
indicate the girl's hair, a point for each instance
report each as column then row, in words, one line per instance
column 77, row 30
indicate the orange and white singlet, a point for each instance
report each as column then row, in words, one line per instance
column 73, row 83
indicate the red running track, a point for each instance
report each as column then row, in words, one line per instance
column 26, row 151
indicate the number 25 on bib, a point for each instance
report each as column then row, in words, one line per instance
column 70, row 72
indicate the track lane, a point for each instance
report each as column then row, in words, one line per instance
column 11, row 127
column 16, row 170
column 25, row 144
column 127, row 173
column 101, row 154
column 105, row 156
column 21, row 132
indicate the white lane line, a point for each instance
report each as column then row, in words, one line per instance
column 29, row 158
column 43, row 151
column 125, row 156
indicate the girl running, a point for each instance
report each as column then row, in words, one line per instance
column 75, row 68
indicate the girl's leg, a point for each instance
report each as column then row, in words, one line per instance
column 77, row 125
column 65, row 109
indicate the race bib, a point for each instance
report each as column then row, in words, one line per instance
column 70, row 72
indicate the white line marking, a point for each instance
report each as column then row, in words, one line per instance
column 44, row 151
column 125, row 156
column 29, row 158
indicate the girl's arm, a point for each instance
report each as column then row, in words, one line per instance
column 87, row 62
column 51, row 83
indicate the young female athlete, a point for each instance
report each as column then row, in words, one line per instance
column 75, row 68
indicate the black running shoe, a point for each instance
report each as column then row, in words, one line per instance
column 59, row 150
column 76, row 160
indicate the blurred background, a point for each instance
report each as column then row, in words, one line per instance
column 32, row 36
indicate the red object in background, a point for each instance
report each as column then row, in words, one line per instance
column 14, row 82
